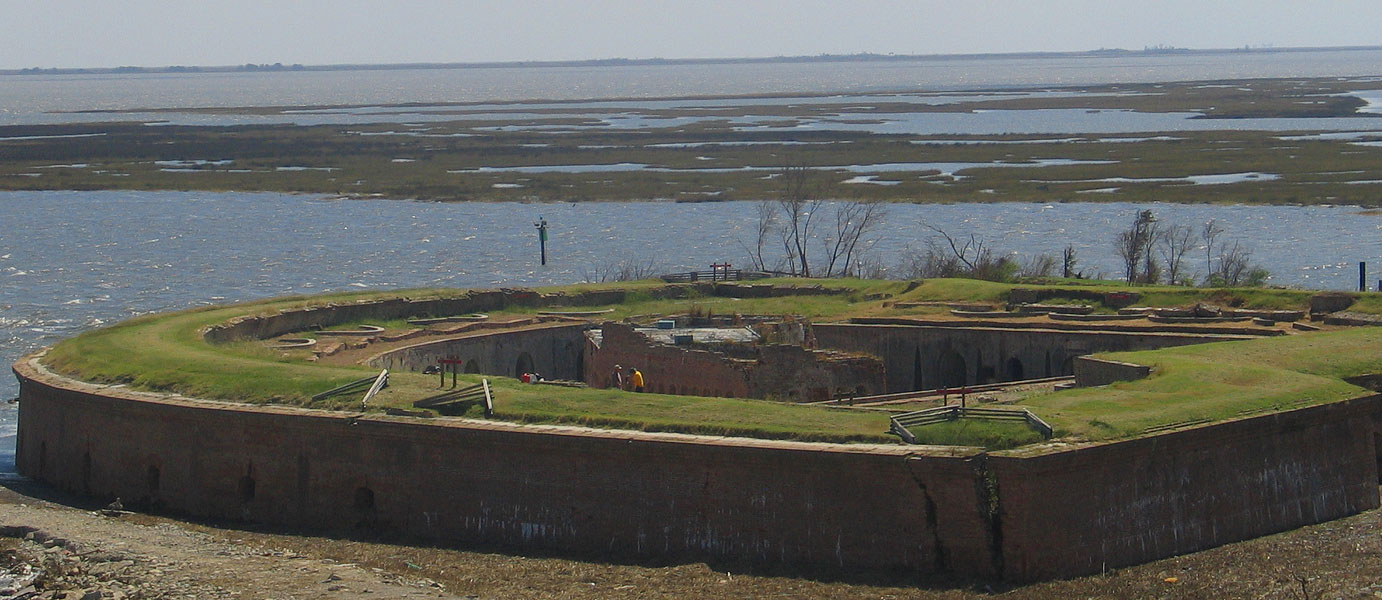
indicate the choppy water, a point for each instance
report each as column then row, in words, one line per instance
column 71, row 261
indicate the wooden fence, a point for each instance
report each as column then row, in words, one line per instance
column 716, row 275
column 458, row 400
column 935, row 394
column 918, row 418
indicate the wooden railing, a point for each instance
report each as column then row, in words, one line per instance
column 938, row 394
column 717, row 275
column 373, row 384
column 457, row 401
column 940, row 414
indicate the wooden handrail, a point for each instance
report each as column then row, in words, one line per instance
column 917, row 418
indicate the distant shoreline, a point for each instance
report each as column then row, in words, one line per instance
column 626, row 62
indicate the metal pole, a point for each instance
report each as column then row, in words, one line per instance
column 541, row 226
column 1362, row 276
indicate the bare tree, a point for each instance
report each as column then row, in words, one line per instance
column 799, row 206
column 853, row 220
column 870, row 266
column 1209, row 233
column 971, row 257
column 1175, row 243
column 1233, row 265
column 1134, row 246
column 767, row 221
column 625, row 270
column 1068, row 261
column 1040, row 265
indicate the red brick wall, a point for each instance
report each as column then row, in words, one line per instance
column 1112, row 505
column 589, row 493
column 618, row 494
column 781, row 371
column 665, row 368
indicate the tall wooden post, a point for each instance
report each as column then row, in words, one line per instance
column 541, row 226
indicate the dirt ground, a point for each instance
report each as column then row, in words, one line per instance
column 55, row 546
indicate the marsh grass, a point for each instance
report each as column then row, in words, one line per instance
column 442, row 168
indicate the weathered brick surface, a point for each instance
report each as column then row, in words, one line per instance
column 1111, row 505
column 591, row 493
column 605, row 494
column 929, row 357
column 553, row 350
column 781, row 371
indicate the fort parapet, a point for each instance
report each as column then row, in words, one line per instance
column 1032, row 513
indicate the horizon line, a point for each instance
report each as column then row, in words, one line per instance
column 823, row 57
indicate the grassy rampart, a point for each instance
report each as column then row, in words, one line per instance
column 1191, row 384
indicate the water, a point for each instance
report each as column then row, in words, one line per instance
column 71, row 261
column 29, row 99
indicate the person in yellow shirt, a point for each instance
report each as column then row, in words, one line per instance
column 636, row 379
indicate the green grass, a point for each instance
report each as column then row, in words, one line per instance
column 973, row 432
column 615, row 409
column 1205, row 382
column 1212, row 382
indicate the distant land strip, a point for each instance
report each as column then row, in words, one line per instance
column 618, row 62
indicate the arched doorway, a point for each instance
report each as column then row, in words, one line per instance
column 524, row 364
column 1014, row 369
column 952, row 370
column 471, row 366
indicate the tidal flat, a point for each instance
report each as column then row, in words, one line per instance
column 1264, row 141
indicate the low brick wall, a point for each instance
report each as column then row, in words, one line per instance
column 1090, row 371
column 929, row 357
column 553, row 350
column 264, row 326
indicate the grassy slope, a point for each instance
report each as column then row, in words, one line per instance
column 1212, row 381
column 1217, row 381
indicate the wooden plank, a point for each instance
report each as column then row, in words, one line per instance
column 379, row 384
column 344, row 388
column 903, row 433
column 447, row 397
column 489, row 399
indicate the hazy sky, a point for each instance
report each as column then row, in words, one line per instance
column 104, row 33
